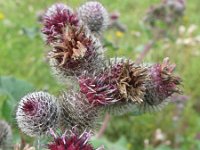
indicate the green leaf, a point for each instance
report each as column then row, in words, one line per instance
column 13, row 89
column 7, row 110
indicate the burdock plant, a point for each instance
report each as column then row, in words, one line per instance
column 116, row 85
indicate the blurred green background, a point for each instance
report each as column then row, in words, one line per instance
column 22, row 52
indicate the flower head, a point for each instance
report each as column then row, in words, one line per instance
column 163, row 83
column 57, row 17
column 178, row 6
column 121, row 83
column 36, row 113
column 71, row 140
column 76, row 111
column 168, row 12
column 77, row 52
column 163, row 78
column 5, row 135
column 94, row 15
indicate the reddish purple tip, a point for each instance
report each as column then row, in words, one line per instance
column 97, row 90
column 163, row 78
column 56, row 19
column 71, row 141
column 30, row 107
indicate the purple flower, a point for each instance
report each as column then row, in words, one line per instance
column 57, row 17
column 162, row 84
column 117, row 88
column 163, row 78
column 121, row 81
column 71, row 140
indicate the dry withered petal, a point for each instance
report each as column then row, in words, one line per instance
column 120, row 81
column 75, row 46
column 131, row 82
column 77, row 52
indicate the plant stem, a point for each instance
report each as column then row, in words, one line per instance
column 145, row 51
column 104, row 126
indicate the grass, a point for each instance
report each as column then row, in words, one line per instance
column 22, row 53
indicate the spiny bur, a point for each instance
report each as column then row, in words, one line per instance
column 95, row 16
column 37, row 112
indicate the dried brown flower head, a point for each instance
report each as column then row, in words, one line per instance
column 120, row 85
column 74, row 46
column 131, row 82
column 77, row 52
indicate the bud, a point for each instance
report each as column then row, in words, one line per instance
column 71, row 140
column 121, row 84
column 163, row 83
column 178, row 6
column 36, row 113
column 168, row 12
column 76, row 111
column 79, row 51
column 57, row 17
column 5, row 135
column 94, row 15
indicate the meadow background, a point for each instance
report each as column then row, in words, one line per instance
column 22, row 60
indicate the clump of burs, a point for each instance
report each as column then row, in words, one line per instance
column 101, row 85
column 164, row 16
column 167, row 11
